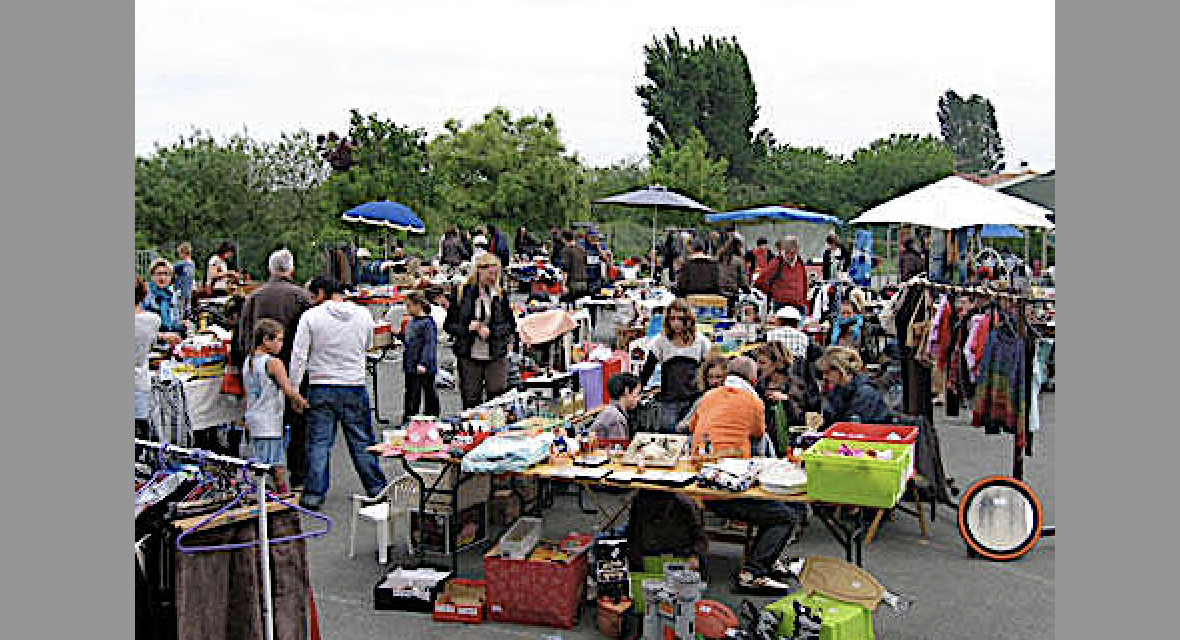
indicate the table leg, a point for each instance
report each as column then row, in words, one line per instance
column 376, row 392
column 873, row 527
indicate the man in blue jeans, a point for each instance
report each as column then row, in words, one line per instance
column 330, row 345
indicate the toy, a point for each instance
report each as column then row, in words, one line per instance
column 671, row 603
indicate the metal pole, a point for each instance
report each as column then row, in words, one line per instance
column 264, row 549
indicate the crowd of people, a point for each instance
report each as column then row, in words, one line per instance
column 302, row 352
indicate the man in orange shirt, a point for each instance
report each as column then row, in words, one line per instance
column 731, row 416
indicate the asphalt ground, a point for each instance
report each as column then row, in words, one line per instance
column 957, row 595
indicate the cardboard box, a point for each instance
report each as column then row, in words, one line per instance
column 437, row 534
column 409, row 589
column 462, row 601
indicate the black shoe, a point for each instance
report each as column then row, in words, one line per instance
column 313, row 503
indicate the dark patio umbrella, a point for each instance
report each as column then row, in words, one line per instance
column 657, row 197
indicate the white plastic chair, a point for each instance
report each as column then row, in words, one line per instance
column 382, row 510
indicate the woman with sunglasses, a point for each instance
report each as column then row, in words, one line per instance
column 482, row 324
column 849, row 395
column 679, row 351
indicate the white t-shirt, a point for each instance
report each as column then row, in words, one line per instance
column 218, row 261
column 147, row 324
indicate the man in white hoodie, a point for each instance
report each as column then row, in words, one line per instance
column 330, row 345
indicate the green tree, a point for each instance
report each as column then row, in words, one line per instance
column 688, row 169
column 969, row 127
column 810, row 178
column 507, row 171
column 708, row 88
column 260, row 194
column 892, row 166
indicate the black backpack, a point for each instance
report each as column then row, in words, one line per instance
column 664, row 523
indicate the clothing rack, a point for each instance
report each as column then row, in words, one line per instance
column 1023, row 302
column 262, row 470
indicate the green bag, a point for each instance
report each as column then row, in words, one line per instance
column 781, row 430
column 840, row 620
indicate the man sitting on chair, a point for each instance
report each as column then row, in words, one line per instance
column 731, row 416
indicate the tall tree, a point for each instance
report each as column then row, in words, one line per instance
column 707, row 87
column 969, row 127
column 506, row 170
column 687, row 168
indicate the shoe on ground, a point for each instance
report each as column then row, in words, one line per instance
column 314, row 503
column 746, row 582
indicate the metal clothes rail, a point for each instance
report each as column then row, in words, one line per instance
column 262, row 470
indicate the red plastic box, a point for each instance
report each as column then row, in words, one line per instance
column 872, row 432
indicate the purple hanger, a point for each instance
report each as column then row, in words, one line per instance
column 245, row 545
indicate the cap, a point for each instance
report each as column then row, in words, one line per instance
column 788, row 313
column 363, row 253
column 479, row 240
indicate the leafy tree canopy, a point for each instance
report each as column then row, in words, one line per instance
column 708, row 88
column 969, row 127
column 501, row 169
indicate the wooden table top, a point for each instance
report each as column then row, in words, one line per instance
column 547, row 470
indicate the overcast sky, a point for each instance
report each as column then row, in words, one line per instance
column 830, row 73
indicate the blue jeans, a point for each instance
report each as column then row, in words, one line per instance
column 350, row 407
column 775, row 522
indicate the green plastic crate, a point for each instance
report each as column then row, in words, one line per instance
column 655, row 564
column 865, row 482
column 637, row 579
column 840, row 620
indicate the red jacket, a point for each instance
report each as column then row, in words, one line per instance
column 789, row 286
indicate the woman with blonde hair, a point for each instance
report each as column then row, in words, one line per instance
column 482, row 324
column 679, row 351
column 850, row 395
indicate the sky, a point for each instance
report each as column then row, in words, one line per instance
column 836, row 74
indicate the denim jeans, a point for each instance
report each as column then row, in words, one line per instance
column 671, row 413
column 349, row 406
column 775, row 522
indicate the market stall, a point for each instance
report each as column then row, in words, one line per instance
column 775, row 221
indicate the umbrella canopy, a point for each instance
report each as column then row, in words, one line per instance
column 658, row 197
column 952, row 203
column 392, row 215
column 773, row 212
column 655, row 196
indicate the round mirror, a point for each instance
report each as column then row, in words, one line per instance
column 1000, row 518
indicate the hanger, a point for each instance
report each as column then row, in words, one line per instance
column 249, row 487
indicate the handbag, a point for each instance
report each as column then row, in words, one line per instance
column 231, row 381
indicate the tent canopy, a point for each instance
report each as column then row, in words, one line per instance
column 952, row 203
column 771, row 213
column 1000, row 231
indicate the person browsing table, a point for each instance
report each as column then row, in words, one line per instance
column 730, row 416
column 482, row 324
column 679, row 351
